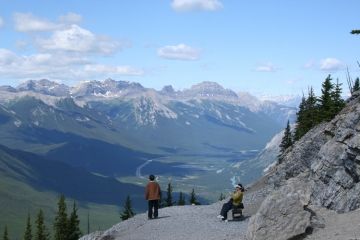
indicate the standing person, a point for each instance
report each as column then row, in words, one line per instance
column 235, row 200
column 152, row 194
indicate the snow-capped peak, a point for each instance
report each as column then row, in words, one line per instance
column 44, row 86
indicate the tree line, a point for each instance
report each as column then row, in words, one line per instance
column 65, row 227
column 314, row 110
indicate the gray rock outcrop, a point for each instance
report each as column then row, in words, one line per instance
column 284, row 211
column 322, row 168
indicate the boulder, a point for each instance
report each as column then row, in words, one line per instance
column 283, row 214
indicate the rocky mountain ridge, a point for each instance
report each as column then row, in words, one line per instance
column 155, row 104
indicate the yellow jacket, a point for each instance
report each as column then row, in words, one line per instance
column 237, row 197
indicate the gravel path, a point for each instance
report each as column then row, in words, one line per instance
column 180, row 223
column 186, row 223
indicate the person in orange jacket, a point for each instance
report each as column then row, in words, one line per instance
column 152, row 194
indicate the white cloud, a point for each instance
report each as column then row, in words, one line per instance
column 6, row 57
column 71, row 18
column 268, row 67
column 190, row 5
column 65, row 52
column 26, row 22
column 113, row 70
column 179, row 52
column 1, row 22
column 331, row 64
column 77, row 39
column 62, row 66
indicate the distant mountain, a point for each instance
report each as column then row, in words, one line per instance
column 119, row 120
column 44, row 86
column 286, row 100
column 50, row 118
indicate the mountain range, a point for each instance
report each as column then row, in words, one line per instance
column 109, row 134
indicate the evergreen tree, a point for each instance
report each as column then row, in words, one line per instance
column 312, row 111
column 326, row 100
column 127, row 210
column 61, row 221
column 28, row 232
column 6, row 234
column 162, row 201
column 193, row 199
column 286, row 141
column 41, row 231
column 181, row 201
column 338, row 102
column 300, row 120
column 222, row 197
column 356, row 86
column 168, row 200
column 308, row 114
column 311, row 116
column 74, row 232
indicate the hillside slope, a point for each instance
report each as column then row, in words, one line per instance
column 29, row 182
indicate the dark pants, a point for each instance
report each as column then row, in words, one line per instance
column 153, row 204
column 225, row 209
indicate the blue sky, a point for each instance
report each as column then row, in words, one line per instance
column 263, row 47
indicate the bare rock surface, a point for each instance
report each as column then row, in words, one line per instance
column 282, row 215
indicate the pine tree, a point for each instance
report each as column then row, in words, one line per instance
column 169, row 201
column 356, row 86
column 338, row 102
column 162, row 201
column 74, row 232
column 61, row 221
column 326, row 100
column 286, row 141
column 311, row 116
column 300, row 120
column 41, row 231
column 308, row 115
column 6, row 234
column 193, row 200
column 181, row 201
column 28, row 232
column 127, row 210
column 222, row 197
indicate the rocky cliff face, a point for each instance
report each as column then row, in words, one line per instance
column 322, row 170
